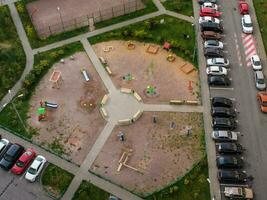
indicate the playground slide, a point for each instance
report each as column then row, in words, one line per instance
column 51, row 105
column 85, row 75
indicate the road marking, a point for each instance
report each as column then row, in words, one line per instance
column 248, row 44
column 233, row 185
column 221, row 88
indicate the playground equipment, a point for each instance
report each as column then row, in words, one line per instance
column 170, row 58
column 167, row 46
column 123, row 161
column 153, row 49
column 190, row 88
column 130, row 45
column 85, row 75
column 150, row 90
column 128, row 77
column 51, row 105
column 108, row 48
column 56, row 79
column 41, row 113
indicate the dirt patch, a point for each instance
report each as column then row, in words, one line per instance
column 162, row 151
column 75, row 125
column 143, row 69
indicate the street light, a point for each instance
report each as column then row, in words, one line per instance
column 58, row 9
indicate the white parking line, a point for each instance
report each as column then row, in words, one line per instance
column 220, row 88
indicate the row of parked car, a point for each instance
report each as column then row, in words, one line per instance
column 15, row 158
column 229, row 151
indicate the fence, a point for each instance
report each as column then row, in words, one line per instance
column 98, row 16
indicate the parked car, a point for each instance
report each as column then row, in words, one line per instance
column 223, row 112
column 210, row 26
column 246, row 23
column 209, row 12
column 232, row 176
column 229, row 161
column 209, row 5
column 221, row 102
column 238, row 192
column 35, row 168
column 222, row 123
column 216, row 70
column 203, row 1
column 11, row 156
column 4, row 150
column 243, row 7
column 226, row 147
column 218, row 62
column 213, row 44
column 212, row 53
column 262, row 99
column 224, row 136
column 3, row 144
column 218, row 80
column 256, row 62
column 259, row 80
column 24, row 161
column 210, row 35
column 208, row 19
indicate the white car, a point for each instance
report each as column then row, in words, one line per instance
column 218, row 62
column 213, row 44
column 208, row 19
column 3, row 144
column 224, row 136
column 246, row 23
column 35, row 168
column 216, row 70
column 256, row 62
column 209, row 5
column 259, row 80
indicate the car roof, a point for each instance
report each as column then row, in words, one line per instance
column 206, row 9
column 256, row 57
column 13, row 149
column 259, row 74
column 263, row 96
column 25, row 155
column 244, row 5
column 247, row 18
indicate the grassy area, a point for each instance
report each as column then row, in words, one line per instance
column 12, row 56
column 56, row 180
column 88, row 191
column 42, row 63
column 172, row 30
column 184, row 7
column 36, row 42
column 261, row 12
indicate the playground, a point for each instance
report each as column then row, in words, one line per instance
column 64, row 107
column 155, row 150
column 155, row 73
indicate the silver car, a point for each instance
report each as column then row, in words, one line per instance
column 259, row 80
column 218, row 62
column 213, row 44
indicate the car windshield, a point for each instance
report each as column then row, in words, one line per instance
column 248, row 25
column 20, row 163
column 264, row 103
column 258, row 63
column 32, row 171
column 213, row 43
column 261, row 81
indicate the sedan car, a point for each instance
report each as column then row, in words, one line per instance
column 23, row 162
column 216, row 70
column 259, row 80
column 213, row 44
column 222, row 123
column 243, row 7
column 238, row 192
column 203, row 1
column 11, row 156
column 224, row 136
column 246, row 23
column 3, row 144
column 223, row 112
column 229, row 161
column 218, row 80
column 35, row 168
column 256, row 62
column 208, row 19
column 262, row 99
column 232, row 176
column 213, row 53
column 209, row 5
column 218, row 62
column 221, row 102
column 209, row 12
column 228, row 148
column 210, row 26
column 211, row 35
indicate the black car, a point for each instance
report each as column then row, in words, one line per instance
column 221, row 102
column 223, row 112
column 227, row 147
column 204, row 1
column 232, row 176
column 213, row 53
column 2, row 153
column 211, row 26
column 229, row 162
column 11, row 156
column 215, row 80
column 222, row 123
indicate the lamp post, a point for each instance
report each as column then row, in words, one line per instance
column 58, row 9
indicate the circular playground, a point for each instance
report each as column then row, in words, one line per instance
column 155, row 73
column 65, row 107
column 152, row 152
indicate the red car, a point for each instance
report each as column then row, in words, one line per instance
column 209, row 12
column 243, row 7
column 24, row 161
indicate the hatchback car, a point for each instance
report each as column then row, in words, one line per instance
column 259, row 80
column 214, row 80
column 209, row 12
column 35, row 168
column 232, row 176
column 23, row 162
column 216, row 70
column 229, row 161
column 221, row 102
column 229, row 148
column 243, row 7
column 203, row 1
column 218, row 62
column 208, row 19
column 262, row 99
column 222, row 123
column 209, row 5
column 213, row 44
column 224, row 136
column 223, row 112
column 213, row 53
column 246, row 23
column 256, row 62
column 11, row 156
column 210, row 26
column 210, row 35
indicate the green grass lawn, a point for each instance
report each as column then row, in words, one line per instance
column 56, row 180
column 172, row 30
column 12, row 56
column 184, row 7
column 88, row 191
column 36, row 42
column 42, row 63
